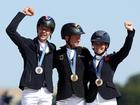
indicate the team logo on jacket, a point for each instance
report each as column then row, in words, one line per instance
column 81, row 56
column 61, row 57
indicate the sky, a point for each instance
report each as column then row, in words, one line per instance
column 92, row 15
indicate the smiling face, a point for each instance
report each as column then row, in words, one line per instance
column 73, row 40
column 99, row 47
column 43, row 33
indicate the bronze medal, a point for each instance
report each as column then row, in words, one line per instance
column 74, row 77
column 39, row 70
column 99, row 82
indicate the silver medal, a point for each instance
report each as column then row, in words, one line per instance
column 39, row 70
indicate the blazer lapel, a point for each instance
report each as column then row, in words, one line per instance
column 100, row 66
column 66, row 60
column 78, row 60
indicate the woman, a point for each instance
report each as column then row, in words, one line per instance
column 101, row 90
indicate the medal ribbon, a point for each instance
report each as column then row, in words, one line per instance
column 98, row 68
column 72, row 62
column 42, row 56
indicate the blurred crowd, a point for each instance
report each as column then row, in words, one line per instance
column 5, row 98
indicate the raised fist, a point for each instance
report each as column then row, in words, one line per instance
column 28, row 11
column 128, row 25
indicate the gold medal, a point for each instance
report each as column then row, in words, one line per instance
column 74, row 77
column 99, row 82
column 39, row 70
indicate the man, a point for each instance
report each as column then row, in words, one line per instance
column 71, row 62
column 102, row 90
column 36, row 80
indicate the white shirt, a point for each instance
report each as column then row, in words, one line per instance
column 42, row 46
column 70, row 53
